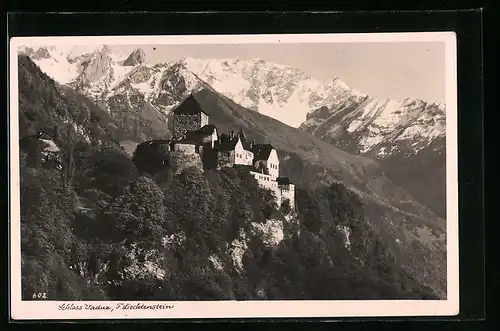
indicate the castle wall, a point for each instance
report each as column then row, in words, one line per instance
column 186, row 148
column 186, row 122
column 242, row 156
column 273, row 164
column 203, row 119
column 288, row 193
column 283, row 192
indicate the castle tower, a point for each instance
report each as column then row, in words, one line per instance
column 188, row 116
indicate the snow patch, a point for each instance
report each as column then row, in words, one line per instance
column 354, row 125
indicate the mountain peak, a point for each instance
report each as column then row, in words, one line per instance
column 136, row 57
column 41, row 53
column 104, row 49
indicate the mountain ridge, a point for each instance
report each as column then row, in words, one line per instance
column 236, row 87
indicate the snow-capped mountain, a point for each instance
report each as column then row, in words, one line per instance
column 329, row 110
column 364, row 124
column 282, row 92
column 407, row 137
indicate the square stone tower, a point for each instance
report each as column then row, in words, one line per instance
column 188, row 116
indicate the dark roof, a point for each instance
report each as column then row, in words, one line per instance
column 225, row 145
column 189, row 106
column 195, row 136
column 261, row 151
column 245, row 167
column 247, row 145
column 242, row 135
column 284, row 180
column 208, row 129
column 224, row 137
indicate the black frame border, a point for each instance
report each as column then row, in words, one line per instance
column 467, row 24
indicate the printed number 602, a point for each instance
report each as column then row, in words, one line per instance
column 39, row 295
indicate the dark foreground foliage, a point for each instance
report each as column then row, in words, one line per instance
column 118, row 234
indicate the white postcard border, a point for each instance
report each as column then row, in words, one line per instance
column 33, row 310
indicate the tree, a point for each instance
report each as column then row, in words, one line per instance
column 69, row 167
column 137, row 215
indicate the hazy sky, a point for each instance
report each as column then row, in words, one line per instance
column 388, row 70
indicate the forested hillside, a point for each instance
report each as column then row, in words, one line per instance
column 195, row 235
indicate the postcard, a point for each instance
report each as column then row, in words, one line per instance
column 233, row 176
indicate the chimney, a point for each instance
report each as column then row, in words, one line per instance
column 231, row 133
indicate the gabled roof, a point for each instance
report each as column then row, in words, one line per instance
column 190, row 106
column 247, row 146
column 225, row 145
column 262, row 151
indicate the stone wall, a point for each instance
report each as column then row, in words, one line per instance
column 182, row 123
column 186, row 148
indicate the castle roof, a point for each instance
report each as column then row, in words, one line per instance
column 225, row 144
column 262, row 151
column 190, row 106
column 208, row 129
column 283, row 180
column 195, row 135
column 247, row 145
column 242, row 135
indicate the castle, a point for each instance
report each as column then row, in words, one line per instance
column 193, row 135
